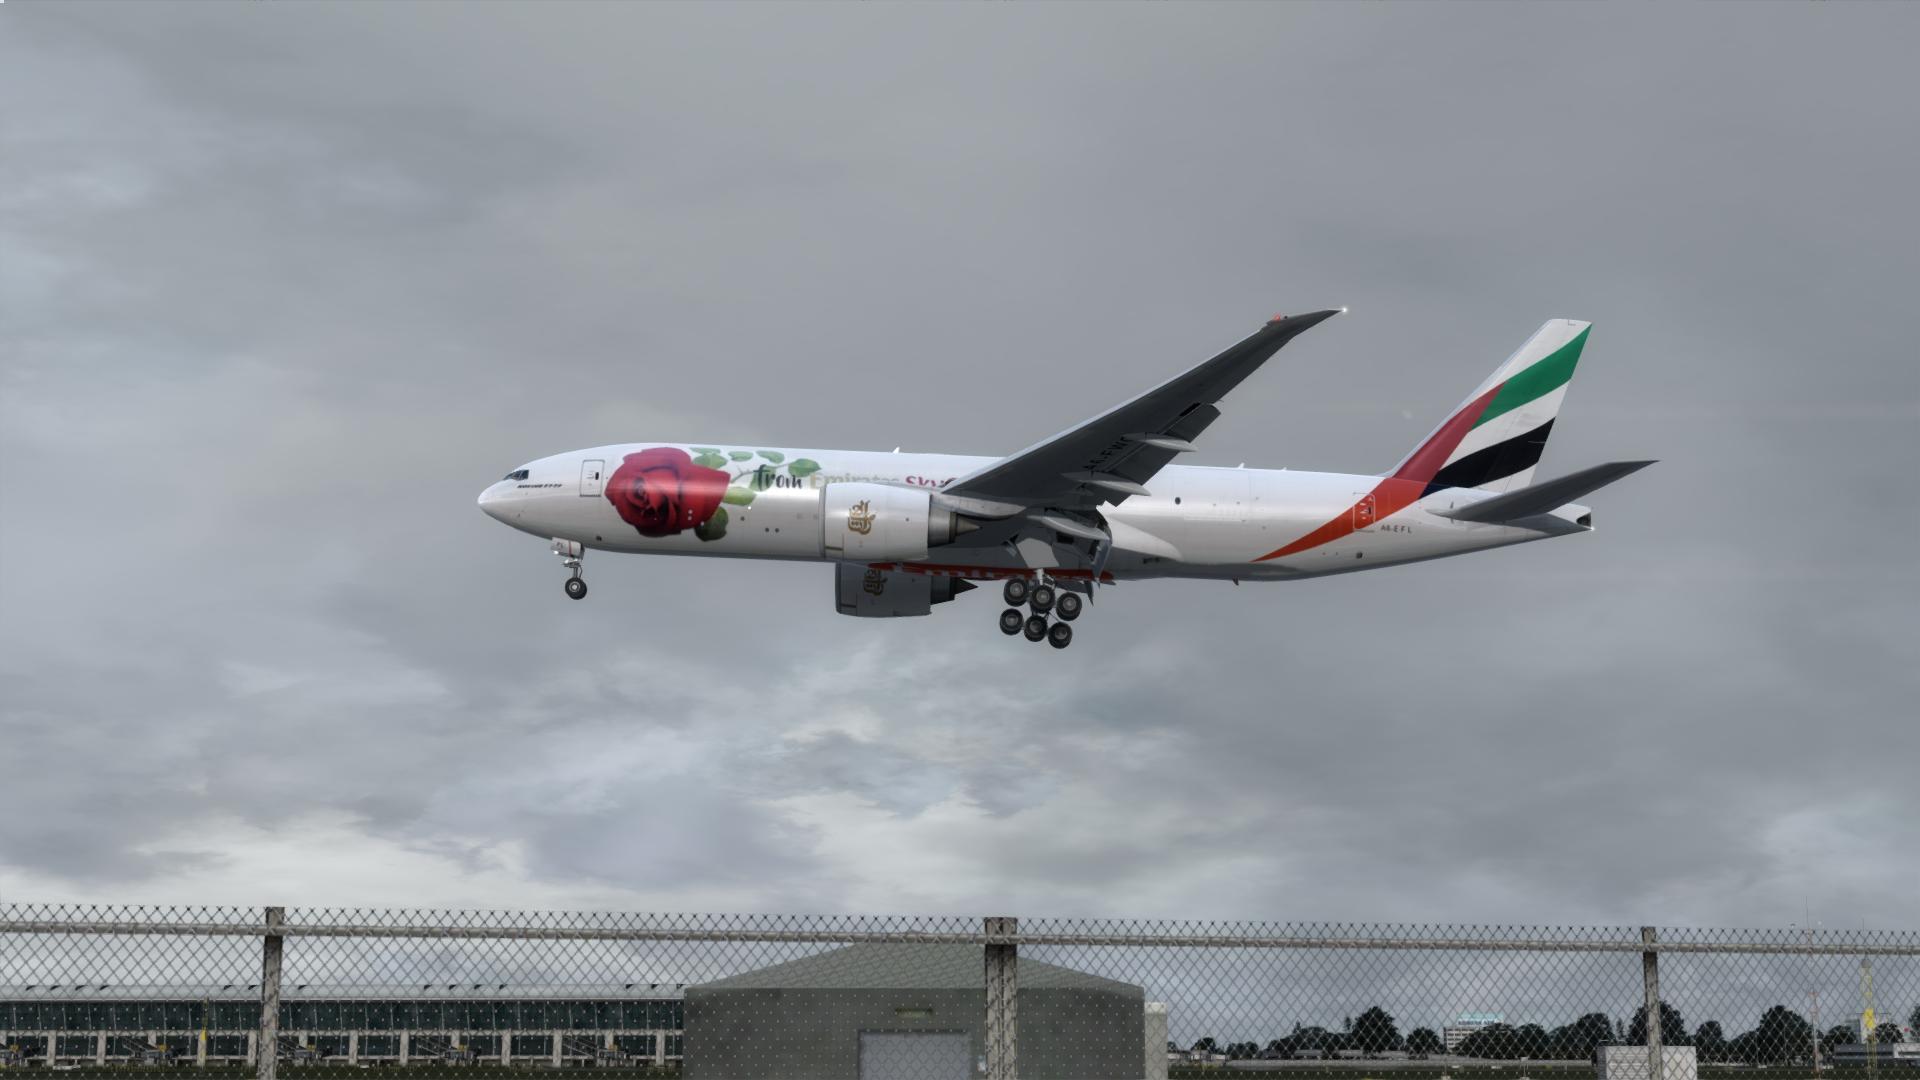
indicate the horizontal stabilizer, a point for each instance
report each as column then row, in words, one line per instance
column 1544, row 497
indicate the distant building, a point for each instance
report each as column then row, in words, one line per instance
column 1466, row 1024
column 1613, row 1061
column 916, row 1010
column 1903, row 1053
column 79, row 1024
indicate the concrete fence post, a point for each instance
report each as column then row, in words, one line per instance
column 1003, row 995
column 268, row 1056
column 1650, row 975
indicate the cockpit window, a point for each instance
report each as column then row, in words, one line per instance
column 517, row 474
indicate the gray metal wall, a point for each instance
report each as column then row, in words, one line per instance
column 752, row 1034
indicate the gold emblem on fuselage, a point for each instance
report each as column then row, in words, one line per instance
column 876, row 582
column 860, row 518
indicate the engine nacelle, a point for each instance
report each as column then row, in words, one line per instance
column 882, row 523
column 868, row 593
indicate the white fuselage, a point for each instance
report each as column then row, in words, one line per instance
column 1198, row 521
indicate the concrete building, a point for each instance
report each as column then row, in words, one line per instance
column 390, row 1024
column 1905, row 1054
column 1613, row 1061
column 1156, row 1037
column 885, row 1011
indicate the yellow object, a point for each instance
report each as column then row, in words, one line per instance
column 1866, row 1024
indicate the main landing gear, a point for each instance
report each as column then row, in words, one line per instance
column 1042, row 599
column 570, row 553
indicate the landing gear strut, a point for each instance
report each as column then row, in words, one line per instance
column 570, row 553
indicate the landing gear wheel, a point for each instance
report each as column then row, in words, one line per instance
column 1011, row 621
column 1060, row 636
column 576, row 588
column 1042, row 599
column 1067, row 607
column 1036, row 627
column 1016, row 592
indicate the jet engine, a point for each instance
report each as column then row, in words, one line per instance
column 882, row 523
column 864, row 592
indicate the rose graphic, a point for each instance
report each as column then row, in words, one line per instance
column 662, row 492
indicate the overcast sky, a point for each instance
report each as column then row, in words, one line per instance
column 283, row 287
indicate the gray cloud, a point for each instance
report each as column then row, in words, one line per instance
column 282, row 288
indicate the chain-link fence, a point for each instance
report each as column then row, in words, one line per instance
column 303, row 992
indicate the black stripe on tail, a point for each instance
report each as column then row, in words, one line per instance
column 1496, row 462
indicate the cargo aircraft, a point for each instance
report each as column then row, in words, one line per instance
column 1099, row 503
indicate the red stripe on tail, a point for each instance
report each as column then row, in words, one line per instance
column 1404, row 487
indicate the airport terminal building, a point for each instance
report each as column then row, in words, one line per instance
column 93, row 1024
column 869, row 1010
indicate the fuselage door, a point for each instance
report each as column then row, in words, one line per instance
column 590, row 477
column 1363, row 510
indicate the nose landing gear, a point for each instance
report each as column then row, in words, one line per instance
column 570, row 553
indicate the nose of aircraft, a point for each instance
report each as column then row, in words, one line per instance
column 491, row 502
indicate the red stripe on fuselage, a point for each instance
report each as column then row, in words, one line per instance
column 1405, row 486
column 984, row 573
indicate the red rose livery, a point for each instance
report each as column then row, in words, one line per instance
column 662, row 492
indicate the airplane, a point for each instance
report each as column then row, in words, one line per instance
column 1097, row 504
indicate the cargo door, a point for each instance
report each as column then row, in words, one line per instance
column 914, row 1055
column 1365, row 510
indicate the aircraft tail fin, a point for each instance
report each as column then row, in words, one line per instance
column 1546, row 496
column 1494, row 440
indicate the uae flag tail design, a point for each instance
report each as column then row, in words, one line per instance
column 1494, row 439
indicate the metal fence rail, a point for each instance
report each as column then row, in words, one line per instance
column 123, row 990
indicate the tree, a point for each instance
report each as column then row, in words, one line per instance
column 1205, row 1046
column 1279, row 1048
column 1313, row 1039
column 1530, row 1041
column 1837, row 1035
column 1492, row 1041
column 1423, row 1042
column 1374, row 1032
column 1576, row 1041
column 1887, row 1034
column 1242, row 1051
column 1709, row 1042
column 1783, row 1035
column 1913, row 1021
column 1673, row 1029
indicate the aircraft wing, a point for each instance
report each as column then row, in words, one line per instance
column 1113, row 455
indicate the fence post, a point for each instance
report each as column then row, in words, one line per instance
column 1656, row 1022
column 1003, row 991
column 268, row 1055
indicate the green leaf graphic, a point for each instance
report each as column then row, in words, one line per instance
column 804, row 467
column 711, row 461
column 740, row 455
column 704, row 450
column 774, row 456
column 737, row 496
column 763, row 478
column 714, row 527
